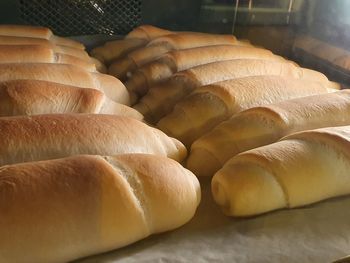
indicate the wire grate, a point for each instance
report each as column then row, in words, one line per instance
column 83, row 17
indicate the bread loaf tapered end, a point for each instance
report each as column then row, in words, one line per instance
column 245, row 189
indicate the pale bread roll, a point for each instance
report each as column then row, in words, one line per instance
column 210, row 105
column 40, row 54
column 32, row 97
column 161, row 98
column 65, row 209
column 115, row 49
column 263, row 125
column 66, row 74
column 302, row 169
column 178, row 60
column 43, row 137
column 38, row 32
column 10, row 40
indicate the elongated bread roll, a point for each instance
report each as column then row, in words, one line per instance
column 179, row 60
column 161, row 98
column 115, row 49
column 263, row 125
column 43, row 137
column 40, row 54
column 123, row 67
column 10, row 40
column 64, row 209
column 184, row 40
column 38, row 32
column 66, row 74
column 160, row 46
column 147, row 32
column 31, row 97
column 210, row 105
column 302, row 169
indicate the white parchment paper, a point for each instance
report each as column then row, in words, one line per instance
column 318, row 233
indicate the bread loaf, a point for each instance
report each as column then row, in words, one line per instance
column 159, row 46
column 66, row 74
column 161, row 98
column 147, row 32
column 31, row 97
column 39, row 54
column 38, row 32
column 123, row 67
column 302, row 169
column 179, row 60
column 263, row 125
column 64, row 209
column 210, row 105
column 185, row 40
column 43, row 137
column 9, row 40
column 115, row 49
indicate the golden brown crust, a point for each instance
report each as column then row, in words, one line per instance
column 51, row 136
column 148, row 32
column 90, row 204
column 38, row 32
column 215, row 72
column 115, row 49
column 11, row 40
column 209, row 105
column 262, row 125
column 308, row 167
column 184, row 40
column 25, row 31
column 30, row 97
column 177, row 60
column 68, row 75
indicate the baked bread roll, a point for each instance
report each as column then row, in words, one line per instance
column 115, row 49
column 65, row 209
column 161, row 98
column 123, row 67
column 9, row 40
column 263, row 125
column 43, row 137
column 40, row 54
column 31, row 97
column 210, row 105
column 179, row 60
column 183, row 40
column 147, row 32
column 38, row 32
column 302, row 169
column 159, row 46
column 66, row 74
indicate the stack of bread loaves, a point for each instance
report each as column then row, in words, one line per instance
column 222, row 97
column 80, row 172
